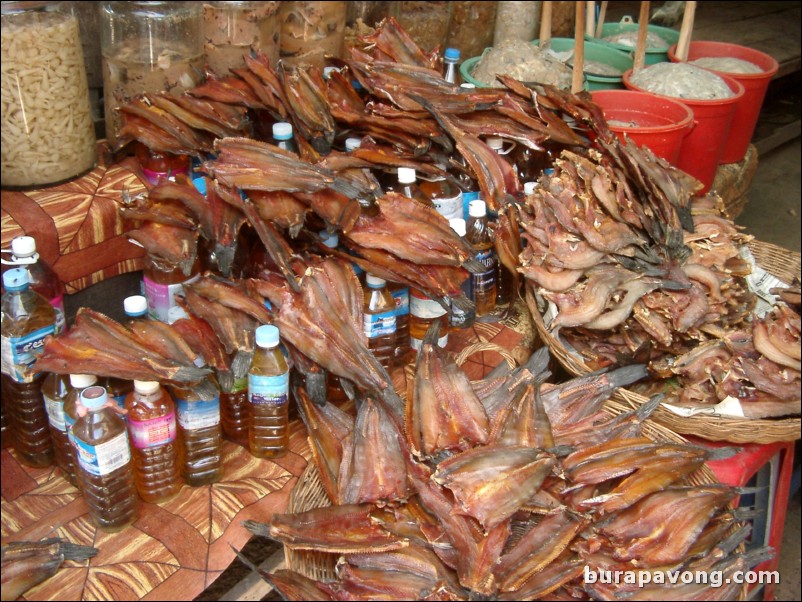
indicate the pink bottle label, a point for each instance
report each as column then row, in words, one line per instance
column 154, row 432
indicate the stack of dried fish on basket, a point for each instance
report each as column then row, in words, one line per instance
column 504, row 488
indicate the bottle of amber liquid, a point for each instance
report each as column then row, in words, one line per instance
column 77, row 383
column 458, row 318
column 104, row 462
column 478, row 235
column 378, row 312
column 444, row 194
column 152, row 428
column 55, row 389
column 162, row 284
column 409, row 187
column 268, row 395
column 201, row 437
column 423, row 311
column 235, row 411
column 136, row 308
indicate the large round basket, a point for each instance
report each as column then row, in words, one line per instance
column 780, row 262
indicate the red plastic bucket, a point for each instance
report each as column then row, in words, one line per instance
column 747, row 110
column 658, row 122
column 701, row 150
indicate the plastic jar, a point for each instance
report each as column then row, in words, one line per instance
column 48, row 132
column 232, row 29
column 310, row 31
column 148, row 47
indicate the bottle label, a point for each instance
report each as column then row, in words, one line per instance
column 105, row 458
column 193, row 415
column 450, row 207
column 161, row 298
column 19, row 353
column 484, row 282
column 55, row 413
column 401, row 297
column 268, row 390
column 153, row 432
column 61, row 319
column 379, row 325
column 416, row 344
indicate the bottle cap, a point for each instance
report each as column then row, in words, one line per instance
column 331, row 240
column 549, row 171
column 135, row 305
column 146, row 386
column 16, row 279
column 176, row 313
column 23, row 246
column 352, row 143
column 374, row 281
column 529, row 187
column 451, row 54
column 495, row 143
column 327, row 71
column 94, row 397
column 457, row 225
column 406, row 175
column 81, row 381
column 282, row 130
column 267, row 335
column 477, row 208
column 467, row 85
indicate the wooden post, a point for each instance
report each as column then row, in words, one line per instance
column 590, row 18
column 685, row 32
column 578, row 81
column 643, row 32
column 545, row 23
column 602, row 15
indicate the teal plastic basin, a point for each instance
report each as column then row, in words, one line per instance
column 653, row 55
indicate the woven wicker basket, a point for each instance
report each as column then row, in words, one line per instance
column 778, row 261
column 309, row 494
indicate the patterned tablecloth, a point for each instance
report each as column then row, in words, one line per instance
column 77, row 225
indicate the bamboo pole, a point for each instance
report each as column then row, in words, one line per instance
column 600, row 23
column 578, row 80
column 685, row 32
column 590, row 18
column 545, row 23
column 643, row 32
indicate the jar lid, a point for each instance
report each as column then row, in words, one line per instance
column 477, row 208
column 267, row 335
column 458, row 225
column 81, row 381
column 146, row 386
column 94, row 397
column 135, row 305
column 451, row 54
column 282, row 130
column 16, row 279
column 23, row 246
column 352, row 143
column 406, row 175
column 374, row 281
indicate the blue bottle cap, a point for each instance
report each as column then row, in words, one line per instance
column 16, row 279
column 94, row 397
column 267, row 335
column 451, row 54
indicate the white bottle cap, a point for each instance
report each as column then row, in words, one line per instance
column 467, row 85
column 146, row 386
column 267, row 335
column 135, row 305
column 529, row 187
column 352, row 143
column 94, row 397
column 495, row 143
column 457, row 225
column 282, row 130
column 477, row 208
column 23, row 246
column 330, row 239
column 328, row 70
column 374, row 281
column 406, row 175
column 81, row 381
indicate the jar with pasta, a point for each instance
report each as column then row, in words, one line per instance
column 232, row 29
column 148, row 47
column 311, row 31
column 48, row 134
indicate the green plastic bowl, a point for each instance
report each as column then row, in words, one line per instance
column 653, row 55
column 593, row 52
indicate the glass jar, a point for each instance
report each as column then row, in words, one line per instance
column 48, row 132
column 148, row 47
column 232, row 29
column 310, row 31
column 426, row 22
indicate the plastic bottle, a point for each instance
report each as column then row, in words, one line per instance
column 152, row 428
column 162, row 283
column 503, row 278
column 27, row 319
column 458, row 318
column 451, row 58
column 201, row 436
column 104, row 462
column 478, row 235
column 444, row 194
column 43, row 278
column 423, row 311
column 158, row 166
column 379, row 325
column 55, row 389
column 408, row 186
column 400, row 293
column 235, row 411
column 282, row 136
column 78, row 382
column 268, row 396
column 136, row 308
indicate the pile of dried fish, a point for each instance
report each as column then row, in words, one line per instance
column 504, row 488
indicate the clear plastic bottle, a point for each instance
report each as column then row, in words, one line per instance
column 423, row 311
column 27, row 319
column 459, row 319
column 157, row 166
column 378, row 313
column 55, row 389
column 235, row 411
column 409, row 187
column 153, row 431
column 444, row 195
column 451, row 58
column 478, row 235
column 78, row 382
column 43, row 278
column 104, row 463
column 135, row 308
column 283, row 137
column 268, row 396
column 201, row 436
column 162, row 283
column 400, row 293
